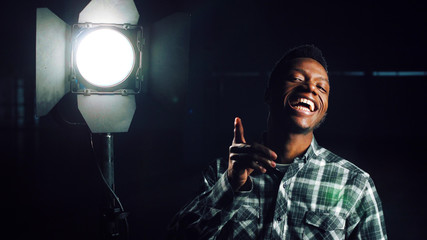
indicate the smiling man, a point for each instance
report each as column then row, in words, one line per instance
column 288, row 187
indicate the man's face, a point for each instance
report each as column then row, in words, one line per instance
column 305, row 95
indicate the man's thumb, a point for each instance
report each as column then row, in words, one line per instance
column 238, row 131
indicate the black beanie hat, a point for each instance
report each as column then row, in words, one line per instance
column 304, row 51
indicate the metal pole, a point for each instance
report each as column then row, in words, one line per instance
column 107, row 164
column 110, row 221
column 113, row 214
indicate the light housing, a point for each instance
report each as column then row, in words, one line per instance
column 106, row 59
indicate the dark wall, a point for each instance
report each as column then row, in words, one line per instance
column 53, row 189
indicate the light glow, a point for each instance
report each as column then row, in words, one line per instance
column 105, row 57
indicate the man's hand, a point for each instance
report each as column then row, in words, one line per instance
column 244, row 159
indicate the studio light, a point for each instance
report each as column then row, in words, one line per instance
column 99, row 59
column 106, row 58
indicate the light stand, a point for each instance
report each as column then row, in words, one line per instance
column 114, row 213
column 108, row 108
column 107, row 162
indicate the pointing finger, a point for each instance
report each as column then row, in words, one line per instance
column 238, row 131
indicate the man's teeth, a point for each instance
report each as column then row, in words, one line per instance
column 302, row 108
column 306, row 101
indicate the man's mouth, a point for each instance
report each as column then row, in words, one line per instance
column 303, row 104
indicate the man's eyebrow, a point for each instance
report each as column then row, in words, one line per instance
column 302, row 71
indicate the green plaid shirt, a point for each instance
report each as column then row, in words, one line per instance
column 321, row 196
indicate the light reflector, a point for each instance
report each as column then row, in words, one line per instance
column 52, row 60
column 105, row 57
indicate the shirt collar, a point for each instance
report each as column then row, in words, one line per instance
column 313, row 151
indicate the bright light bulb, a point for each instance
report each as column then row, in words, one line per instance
column 105, row 57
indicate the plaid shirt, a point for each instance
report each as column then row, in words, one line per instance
column 321, row 196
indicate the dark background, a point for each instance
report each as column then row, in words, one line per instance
column 52, row 187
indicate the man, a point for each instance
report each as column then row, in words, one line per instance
column 288, row 187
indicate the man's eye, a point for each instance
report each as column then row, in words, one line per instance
column 296, row 79
column 322, row 89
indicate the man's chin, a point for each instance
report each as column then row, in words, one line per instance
column 303, row 127
column 297, row 129
column 294, row 124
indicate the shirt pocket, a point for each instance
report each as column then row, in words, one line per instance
column 323, row 225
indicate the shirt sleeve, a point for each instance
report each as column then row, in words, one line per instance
column 367, row 216
column 207, row 214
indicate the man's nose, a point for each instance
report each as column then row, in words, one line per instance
column 310, row 86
